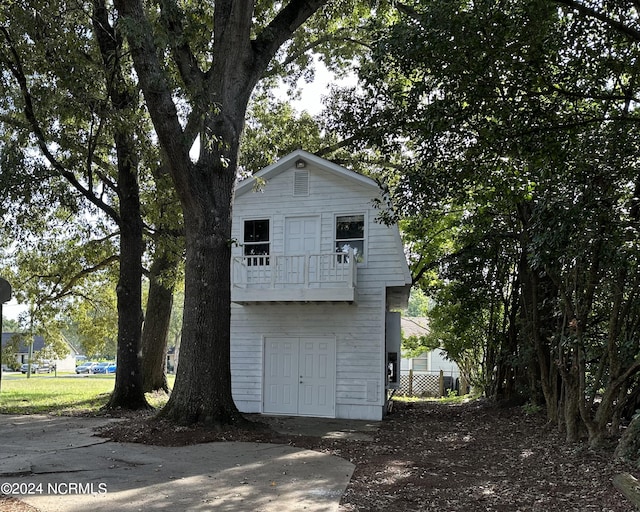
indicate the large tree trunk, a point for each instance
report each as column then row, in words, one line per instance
column 571, row 369
column 156, row 322
column 207, row 313
column 163, row 274
column 128, row 392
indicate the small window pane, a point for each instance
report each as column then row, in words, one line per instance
column 357, row 246
column 350, row 226
column 252, row 250
column 420, row 364
column 256, row 231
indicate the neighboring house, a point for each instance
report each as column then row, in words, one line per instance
column 430, row 373
column 431, row 361
column 314, row 277
column 68, row 363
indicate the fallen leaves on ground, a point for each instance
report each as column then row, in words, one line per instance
column 479, row 457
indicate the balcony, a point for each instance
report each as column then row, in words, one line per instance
column 329, row 277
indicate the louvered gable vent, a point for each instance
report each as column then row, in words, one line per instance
column 301, row 183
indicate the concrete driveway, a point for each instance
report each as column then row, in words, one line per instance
column 56, row 464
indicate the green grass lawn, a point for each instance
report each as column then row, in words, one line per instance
column 450, row 399
column 64, row 394
column 70, row 394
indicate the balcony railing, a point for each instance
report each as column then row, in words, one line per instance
column 308, row 277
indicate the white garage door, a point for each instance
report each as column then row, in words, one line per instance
column 299, row 376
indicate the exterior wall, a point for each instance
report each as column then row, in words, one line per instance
column 359, row 363
column 329, row 196
column 68, row 364
column 358, row 327
column 434, row 361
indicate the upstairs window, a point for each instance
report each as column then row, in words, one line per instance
column 256, row 241
column 350, row 235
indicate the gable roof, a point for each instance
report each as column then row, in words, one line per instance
column 414, row 326
column 289, row 161
column 38, row 342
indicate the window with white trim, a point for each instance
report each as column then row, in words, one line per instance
column 421, row 363
column 256, row 242
column 350, row 236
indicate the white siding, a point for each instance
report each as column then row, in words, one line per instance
column 358, row 328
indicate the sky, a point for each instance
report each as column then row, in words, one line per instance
column 310, row 99
column 12, row 309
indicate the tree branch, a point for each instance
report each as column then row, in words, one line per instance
column 285, row 23
column 590, row 12
column 584, row 96
column 14, row 64
column 191, row 75
column 327, row 150
column 85, row 272
column 321, row 40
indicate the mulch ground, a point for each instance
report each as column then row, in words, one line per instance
column 431, row 456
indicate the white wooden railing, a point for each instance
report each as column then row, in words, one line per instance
column 330, row 270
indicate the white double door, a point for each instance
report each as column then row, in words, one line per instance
column 299, row 376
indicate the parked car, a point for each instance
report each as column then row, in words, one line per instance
column 44, row 367
column 25, row 368
column 104, row 367
column 87, row 367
